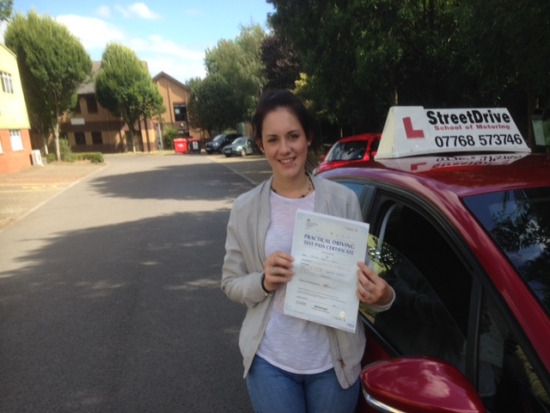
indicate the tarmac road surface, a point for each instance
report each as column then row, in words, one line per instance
column 110, row 295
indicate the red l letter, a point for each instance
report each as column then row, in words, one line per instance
column 410, row 131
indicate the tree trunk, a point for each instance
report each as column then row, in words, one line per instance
column 45, row 144
column 133, row 135
column 147, row 134
column 56, row 133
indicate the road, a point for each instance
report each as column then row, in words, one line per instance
column 110, row 295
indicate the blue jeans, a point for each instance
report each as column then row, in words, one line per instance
column 273, row 390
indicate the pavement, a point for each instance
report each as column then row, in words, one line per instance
column 24, row 191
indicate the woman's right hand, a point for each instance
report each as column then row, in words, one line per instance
column 278, row 270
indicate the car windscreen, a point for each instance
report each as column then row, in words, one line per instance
column 519, row 223
column 347, row 151
column 239, row 141
column 218, row 138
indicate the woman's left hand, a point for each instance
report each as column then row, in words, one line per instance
column 371, row 289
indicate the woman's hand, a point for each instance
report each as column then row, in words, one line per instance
column 277, row 270
column 371, row 289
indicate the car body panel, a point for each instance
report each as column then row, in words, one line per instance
column 421, row 384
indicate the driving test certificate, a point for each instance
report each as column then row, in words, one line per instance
column 326, row 250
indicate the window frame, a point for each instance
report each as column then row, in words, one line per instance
column 77, row 141
column 94, row 138
column 16, row 140
column 93, row 108
column 7, row 83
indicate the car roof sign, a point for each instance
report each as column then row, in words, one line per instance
column 413, row 130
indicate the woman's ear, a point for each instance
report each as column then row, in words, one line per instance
column 260, row 145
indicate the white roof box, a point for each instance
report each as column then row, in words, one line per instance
column 413, row 130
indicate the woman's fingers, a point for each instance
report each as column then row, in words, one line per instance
column 277, row 269
column 371, row 289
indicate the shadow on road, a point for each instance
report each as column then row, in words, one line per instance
column 115, row 318
column 218, row 183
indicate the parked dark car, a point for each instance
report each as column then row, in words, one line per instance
column 242, row 146
column 459, row 215
column 219, row 142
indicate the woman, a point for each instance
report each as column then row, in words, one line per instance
column 291, row 365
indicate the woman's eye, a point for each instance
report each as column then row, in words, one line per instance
column 295, row 136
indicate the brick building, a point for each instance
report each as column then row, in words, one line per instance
column 15, row 143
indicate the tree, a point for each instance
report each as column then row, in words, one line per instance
column 125, row 88
column 211, row 105
column 6, row 8
column 239, row 63
column 510, row 55
column 281, row 64
column 52, row 63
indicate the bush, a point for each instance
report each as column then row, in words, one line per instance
column 64, row 150
column 67, row 154
column 94, row 157
column 169, row 134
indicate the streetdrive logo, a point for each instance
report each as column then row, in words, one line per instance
column 410, row 132
column 413, row 130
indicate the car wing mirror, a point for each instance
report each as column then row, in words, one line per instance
column 418, row 385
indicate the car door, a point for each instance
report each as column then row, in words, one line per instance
column 445, row 307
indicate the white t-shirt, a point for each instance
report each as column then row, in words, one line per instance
column 290, row 343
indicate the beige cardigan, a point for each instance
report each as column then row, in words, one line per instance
column 244, row 265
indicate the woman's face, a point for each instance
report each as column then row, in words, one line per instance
column 285, row 144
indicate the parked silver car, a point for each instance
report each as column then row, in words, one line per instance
column 241, row 147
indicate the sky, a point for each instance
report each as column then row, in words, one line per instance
column 170, row 35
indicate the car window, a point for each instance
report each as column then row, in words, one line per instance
column 239, row 141
column 430, row 313
column 347, row 151
column 525, row 212
column 506, row 379
column 219, row 138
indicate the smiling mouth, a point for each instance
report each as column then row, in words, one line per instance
column 286, row 161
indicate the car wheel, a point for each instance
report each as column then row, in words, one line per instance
column 243, row 152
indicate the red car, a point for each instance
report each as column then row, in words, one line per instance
column 462, row 233
column 350, row 150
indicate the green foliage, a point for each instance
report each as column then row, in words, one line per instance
column 6, row 8
column 239, row 63
column 125, row 88
column 93, row 157
column 193, row 82
column 168, row 136
column 66, row 154
column 212, row 105
column 52, row 63
column 281, row 64
column 362, row 56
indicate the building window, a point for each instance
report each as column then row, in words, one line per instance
column 80, row 138
column 16, row 141
column 180, row 112
column 96, row 138
column 7, row 85
column 76, row 108
column 91, row 104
